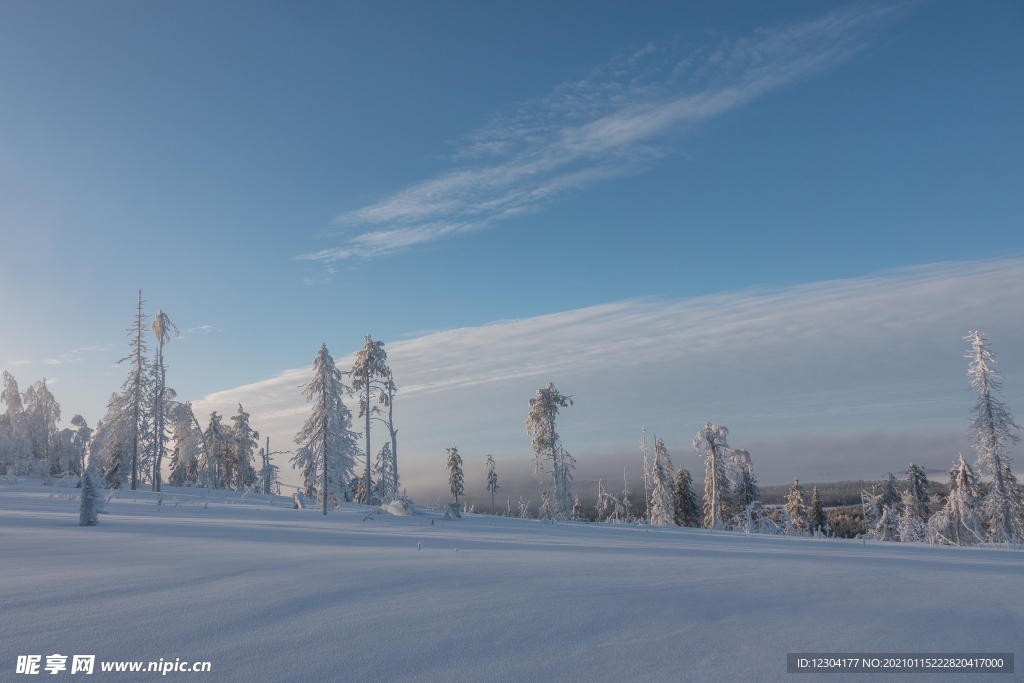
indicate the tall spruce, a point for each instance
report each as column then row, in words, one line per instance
column 136, row 391
column 662, row 510
column 326, row 444
column 551, row 467
column 711, row 444
column 992, row 429
column 686, row 505
column 818, row 519
column 368, row 371
column 959, row 522
column 244, row 442
column 162, row 328
column 456, row 480
column 492, row 480
column 796, row 508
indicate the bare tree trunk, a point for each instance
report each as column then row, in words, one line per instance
column 366, row 496
column 323, row 493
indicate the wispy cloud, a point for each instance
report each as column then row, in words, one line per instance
column 879, row 356
column 618, row 120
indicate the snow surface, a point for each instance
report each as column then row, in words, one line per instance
column 268, row 593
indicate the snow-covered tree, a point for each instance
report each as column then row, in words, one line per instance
column 917, row 486
column 648, row 475
column 912, row 526
column 958, row 523
column 43, row 413
column 136, row 391
column 244, row 442
column 455, row 478
column 551, row 466
column 79, row 448
column 817, row 519
column 601, row 495
column 15, row 440
column 992, row 429
column 890, row 497
column 162, row 328
column 114, row 441
column 626, row 511
column 92, row 500
column 369, row 373
column 189, row 454
column 218, row 441
column 577, row 509
column 685, row 502
column 796, row 508
column 385, row 489
column 662, row 510
column 492, row 480
column 710, row 444
column 386, row 397
column 326, row 444
column 269, row 474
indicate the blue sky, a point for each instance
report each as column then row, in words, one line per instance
column 454, row 164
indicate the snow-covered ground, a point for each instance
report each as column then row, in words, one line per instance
column 268, row 593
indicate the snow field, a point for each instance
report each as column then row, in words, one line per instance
column 268, row 593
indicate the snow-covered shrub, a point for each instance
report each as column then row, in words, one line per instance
column 92, row 500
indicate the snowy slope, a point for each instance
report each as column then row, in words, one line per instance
column 267, row 593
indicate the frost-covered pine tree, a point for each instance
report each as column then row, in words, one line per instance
column 492, row 480
column 917, row 486
column 601, row 494
column 577, row 509
column 80, row 440
column 326, row 444
column 385, row 489
column 387, row 399
column 911, row 525
column 992, row 429
column 891, row 496
column 711, row 444
column 15, row 442
column 188, row 453
column 455, row 478
column 244, row 442
column 43, row 413
column 369, row 373
column 162, row 328
column 114, row 441
column 136, row 391
column 92, row 500
column 796, row 508
column 958, row 523
column 663, row 510
column 818, row 519
column 269, row 474
column 685, row 503
column 551, row 467
column 218, row 440
column 647, row 471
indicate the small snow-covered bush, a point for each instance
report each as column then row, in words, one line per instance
column 92, row 500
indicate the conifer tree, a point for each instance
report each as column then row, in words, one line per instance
column 385, row 489
column 136, row 392
column 455, row 478
column 92, row 500
column 551, row 467
column 917, row 486
column 686, row 505
column 796, row 508
column 326, row 444
column 218, row 441
column 244, row 442
column 162, row 327
column 577, row 509
column 367, row 373
column 43, row 413
column 891, row 497
column 818, row 519
column 662, row 505
column 269, row 473
column 15, row 441
column 992, row 429
column 710, row 444
column 492, row 480
column 958, row 523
